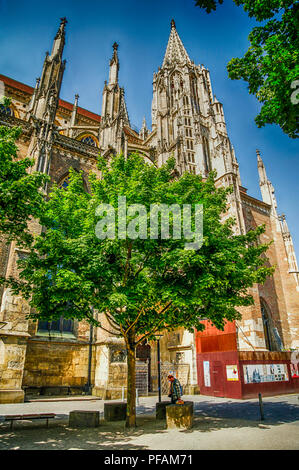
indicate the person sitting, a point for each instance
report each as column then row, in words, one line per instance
column 174, row 389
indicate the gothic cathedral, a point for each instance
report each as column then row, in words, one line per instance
column 65, row 357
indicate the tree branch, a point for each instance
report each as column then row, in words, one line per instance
column 129, row 253
column 111, row 321
column 142, row 267
column 135, row 321
column 124, row 336
column 165, row 308
column 149, row 334
column 157, row 327
column 111, row 332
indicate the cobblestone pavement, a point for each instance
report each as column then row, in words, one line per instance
column 219, row 423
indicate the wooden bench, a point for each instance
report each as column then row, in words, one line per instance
column 13, row 418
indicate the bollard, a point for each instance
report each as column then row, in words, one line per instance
column 261, row 407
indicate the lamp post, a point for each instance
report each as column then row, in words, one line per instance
column 87, row 386
column 159, row 365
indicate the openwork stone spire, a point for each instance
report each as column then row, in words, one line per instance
column 175, row 51
column 59, row 40
column 114, row 66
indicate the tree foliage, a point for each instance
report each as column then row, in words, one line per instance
column 271, row 64
column 138, row 286
column 20, row 195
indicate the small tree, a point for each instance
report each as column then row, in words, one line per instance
column 20, row 195
column 271, row 64
column 140, row 285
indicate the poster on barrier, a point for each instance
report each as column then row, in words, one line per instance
column 294, row 365
column 260, row 373
column 206, row 373
column 232, row 373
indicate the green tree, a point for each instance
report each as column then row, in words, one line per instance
column 271, row 64
column 139, row 286
column 20, row 194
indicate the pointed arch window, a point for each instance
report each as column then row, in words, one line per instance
column 206, row 155
column 266, row 326
column 64, row 182
column 89, row 139
column 6, row 110
column 272, row 338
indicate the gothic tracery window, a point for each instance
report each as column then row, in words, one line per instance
column 89, row 140
column 6, row 110
column 64, row 182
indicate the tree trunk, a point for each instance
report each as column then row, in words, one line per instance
column 131, row 381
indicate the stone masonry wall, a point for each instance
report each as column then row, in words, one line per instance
column 55, row 364
column 280, row 301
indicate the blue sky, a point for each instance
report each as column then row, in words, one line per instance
column 142, row 30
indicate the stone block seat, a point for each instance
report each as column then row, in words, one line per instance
column 115, row 411
column 161, row 409
column 180, row 416
column 84, row 418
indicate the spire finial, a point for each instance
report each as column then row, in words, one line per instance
column 114, row 66
column 60, row 33
column 259, row 159
column 175, row 51
column 115, row 47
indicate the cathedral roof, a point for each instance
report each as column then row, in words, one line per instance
column 175, row 51
column 64, row 104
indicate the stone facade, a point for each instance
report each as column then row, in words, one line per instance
column 187, row 122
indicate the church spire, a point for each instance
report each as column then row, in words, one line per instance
column 114, row 66
column 45, row 100
column 46, row 97
column 144, row 130
column 261, row 169
column 267, row 189
column 59, row 40
column 175, row 51
column 74, row 115
column 114, row 116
